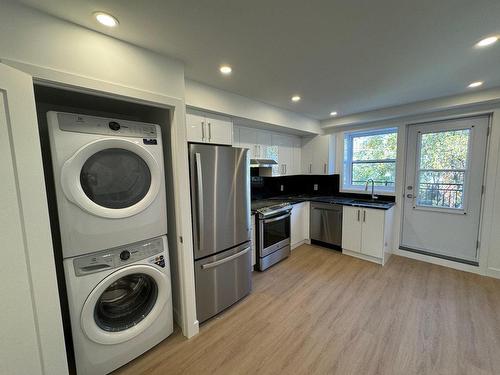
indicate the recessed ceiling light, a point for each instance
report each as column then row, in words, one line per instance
column 334, row 113
column 225, row 69
column 475, row 84
column 106, row 19
column 296, row 98
column 487, row 41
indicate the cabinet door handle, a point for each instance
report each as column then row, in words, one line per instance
column 209, row 132
column 364, row 216
column 358, row 215
column 310, row 168
column 324, row 168
column 202, row 131
column 285, row 168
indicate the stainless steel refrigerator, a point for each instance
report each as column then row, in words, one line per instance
column 220, row 201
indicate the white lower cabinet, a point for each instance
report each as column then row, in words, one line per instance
column 299, row 224
column 367, row 233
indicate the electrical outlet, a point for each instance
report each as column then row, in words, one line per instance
column 282, row 188
column 316, row 187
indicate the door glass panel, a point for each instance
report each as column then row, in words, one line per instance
column 442, row 168
column 126, row 302
column 441, row 189
column 445, row 150
column 115, row 178
column 276, row 231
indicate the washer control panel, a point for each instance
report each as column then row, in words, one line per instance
column 120, row 256
column 99, row 125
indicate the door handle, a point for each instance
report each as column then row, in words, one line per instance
column 409, row 196
column 225, row 260
column 199, row 182
column 364, row 216
column 324, row 168
column 310, row 168
column 209, row 132
column 358, row 215
column 202, row 131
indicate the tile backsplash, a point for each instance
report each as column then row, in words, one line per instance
column 265, row 187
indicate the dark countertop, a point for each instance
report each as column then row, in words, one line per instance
column 330, row 199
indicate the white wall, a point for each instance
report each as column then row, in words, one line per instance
column 489, row 252
column 53, row 50
column 208, row 98
column 456, row 103
column 27, row 35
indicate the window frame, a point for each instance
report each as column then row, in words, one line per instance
column 347, row 162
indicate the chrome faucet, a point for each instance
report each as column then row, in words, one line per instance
column 373, row 188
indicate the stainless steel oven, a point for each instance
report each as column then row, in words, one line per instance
column 273, row 235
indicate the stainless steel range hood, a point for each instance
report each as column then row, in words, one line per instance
column 262, row 163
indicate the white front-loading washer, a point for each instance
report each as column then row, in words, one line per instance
column 109, row 181
column 120, row 304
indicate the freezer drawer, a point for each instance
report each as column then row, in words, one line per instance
column 326, row 224
column 222, row 280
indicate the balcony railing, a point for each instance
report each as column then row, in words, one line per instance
column 440, row 195
column 377, row 183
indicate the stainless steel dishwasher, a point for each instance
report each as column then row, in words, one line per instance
column 326, row 225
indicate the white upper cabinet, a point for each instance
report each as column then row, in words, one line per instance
column 262, row 144
column 208, row 128
column 283, row 146
column 317, row 155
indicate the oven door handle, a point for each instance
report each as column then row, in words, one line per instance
column 277, row 218
column 225, row 260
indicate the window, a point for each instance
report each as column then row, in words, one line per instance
column 442, row 167
column 370, row 155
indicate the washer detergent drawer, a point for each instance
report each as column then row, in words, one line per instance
column 222, row 280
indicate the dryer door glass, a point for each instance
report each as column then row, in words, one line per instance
column 115, row 178
column 126, row 302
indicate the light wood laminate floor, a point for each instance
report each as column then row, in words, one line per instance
column 320, row 312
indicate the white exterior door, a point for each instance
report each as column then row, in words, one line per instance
column 443, row 187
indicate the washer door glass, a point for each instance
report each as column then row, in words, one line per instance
column 115, row 178
column 126, row 302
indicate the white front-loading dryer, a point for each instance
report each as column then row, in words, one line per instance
column 109, row 181
column 120, row 304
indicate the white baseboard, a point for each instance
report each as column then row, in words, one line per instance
column 193, row 330
column 295, row 245
column 438, row 261
column 493, row 272
column 362, row 256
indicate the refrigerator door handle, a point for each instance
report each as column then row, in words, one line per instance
column 199, row 182
column 225, row 260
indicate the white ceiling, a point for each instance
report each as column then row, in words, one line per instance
column 345, row 55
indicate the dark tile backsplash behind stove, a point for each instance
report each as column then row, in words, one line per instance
column 265, row 187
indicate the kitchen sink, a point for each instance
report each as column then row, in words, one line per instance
column 370, row 203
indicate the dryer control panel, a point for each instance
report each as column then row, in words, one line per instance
column 99, row 125
column 120, row 256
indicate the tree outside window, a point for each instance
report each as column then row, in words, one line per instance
column 370, row 155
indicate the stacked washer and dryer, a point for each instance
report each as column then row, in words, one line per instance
column 111, row 202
